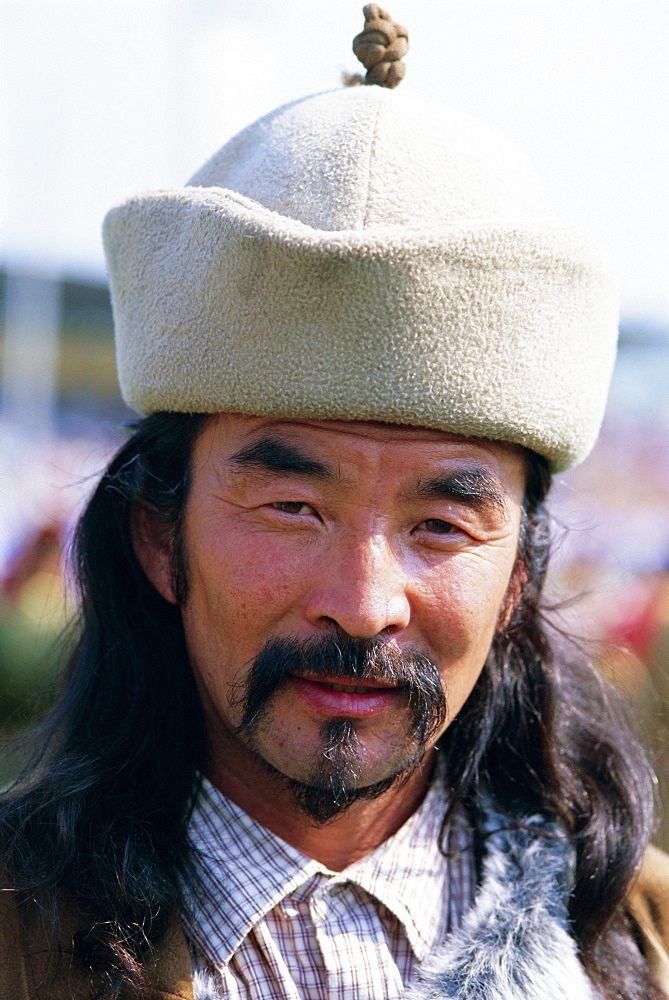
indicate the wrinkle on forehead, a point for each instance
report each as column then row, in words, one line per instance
column 371, row 429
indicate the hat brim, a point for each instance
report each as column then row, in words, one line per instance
column 224, row 306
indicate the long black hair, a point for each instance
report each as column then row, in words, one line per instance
column 100, row 814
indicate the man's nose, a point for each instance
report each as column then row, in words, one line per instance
column 362, row 589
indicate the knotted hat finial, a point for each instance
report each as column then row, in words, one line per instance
column 380, row 47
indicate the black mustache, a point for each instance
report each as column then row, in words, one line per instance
column 343, row 657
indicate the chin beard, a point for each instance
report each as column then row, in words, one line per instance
column 333, row 788
column 335, row 783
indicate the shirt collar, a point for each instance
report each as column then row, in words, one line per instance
column 409, row 874
column 246, row 870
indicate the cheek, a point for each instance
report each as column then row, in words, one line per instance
column 241, row 587
column 460, row 612
column 464, row 606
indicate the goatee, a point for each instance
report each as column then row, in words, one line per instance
column 335, row 782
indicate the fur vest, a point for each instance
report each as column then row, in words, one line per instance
column 514, row 942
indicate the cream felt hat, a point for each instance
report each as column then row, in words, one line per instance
column 359, row 255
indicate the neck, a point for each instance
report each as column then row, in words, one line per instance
column 343, row 840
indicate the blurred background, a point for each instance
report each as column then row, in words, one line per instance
column 102, row 98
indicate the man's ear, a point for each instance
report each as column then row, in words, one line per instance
column 153, row 551
column 514, row 593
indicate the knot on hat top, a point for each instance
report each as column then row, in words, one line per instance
column 380, row 46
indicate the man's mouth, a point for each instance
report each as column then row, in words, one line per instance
column 344, row 697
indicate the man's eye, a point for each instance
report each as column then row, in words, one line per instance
column 293, row 507
column 438, row 527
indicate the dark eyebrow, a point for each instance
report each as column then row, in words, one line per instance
column 473, row 487
column 271, row 454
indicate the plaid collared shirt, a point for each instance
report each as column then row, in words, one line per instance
column 276, row 925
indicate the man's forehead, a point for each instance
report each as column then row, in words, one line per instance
column 240, row 440
column 232, row 427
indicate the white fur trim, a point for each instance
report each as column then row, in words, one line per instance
column 513, row 944
column 358, row 255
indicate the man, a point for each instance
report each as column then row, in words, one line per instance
column 313, row 740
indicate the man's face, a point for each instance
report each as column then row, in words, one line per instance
column 300, row 534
